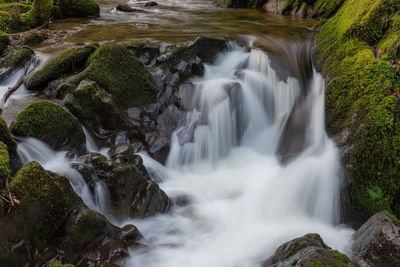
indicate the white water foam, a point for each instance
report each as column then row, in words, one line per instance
column 242, row 202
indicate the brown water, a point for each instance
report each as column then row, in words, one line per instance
column 175, row 21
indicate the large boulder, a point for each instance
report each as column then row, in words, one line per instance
column 52, row 124
column 5, row 137
column 377, row 242
column 45, row 201
column 68, row 61
column 307, row 251
column 78, row 8
column 132, row 193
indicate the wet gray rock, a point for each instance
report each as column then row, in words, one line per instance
column 131, row 191
column 151, row 3
column 308, row 250
column 377, row 242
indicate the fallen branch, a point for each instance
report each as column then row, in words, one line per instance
column 19, row 82
column 9, row 193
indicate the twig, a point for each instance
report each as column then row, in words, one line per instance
column 18, row 84
column 9, row 193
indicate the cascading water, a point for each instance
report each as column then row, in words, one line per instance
column 240, row 201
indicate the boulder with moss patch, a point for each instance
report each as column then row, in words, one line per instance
column 78, row 8
column 307, row 251
column 4, row 42
column 377, row 242
column 5, row 137
column 34, row 38
column 116, row 69
column 68, row 61
column 46, row 195
column 362, row 107
column 50, row 123
column 93, row 107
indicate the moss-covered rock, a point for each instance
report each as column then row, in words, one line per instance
column 50, row 123
column 390, row 41
column 78, row 8
column 361, row 101
column 121, row 74
column 307, row 251
column 65, row 62
column 304, row 8
column 93, row 107
column 48, row 195
column 14, row 59
column 4, row 165
column 35, row 38
column 39, row 14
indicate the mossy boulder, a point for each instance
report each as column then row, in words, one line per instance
column 304, row 8
column 361, row 102
column 93, row 107
column 78, row 8
column 68, row 61
column 307, row 251
column 34, row 38
column 116, row 69
column 50, row 123
column 14, row 59
column 5, row 137
column 39, row 14
column 46, row 195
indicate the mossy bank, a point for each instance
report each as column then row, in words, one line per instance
column 353, row 50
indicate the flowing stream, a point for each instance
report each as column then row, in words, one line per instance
column 250, row 166
column 236, row 202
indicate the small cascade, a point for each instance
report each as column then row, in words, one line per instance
column 245, row 195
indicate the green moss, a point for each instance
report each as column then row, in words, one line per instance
column 78, row 8
column 35, row 38
column 65, row 62
column 390, row 42
column 50, row 123
column 125, row 8
column 4, row 164
column 50, row 196
column 120, row 73
column 84, row 236
column 5, row 135
column 39, row 14
column 15, row 58
column 56, row 263
column 360, row 98
column 395, row 220
column 324, row 9
column 23, row 8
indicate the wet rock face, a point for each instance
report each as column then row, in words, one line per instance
column 92, row 240
column 308, row 250
column 377, row 242
column 132, row 193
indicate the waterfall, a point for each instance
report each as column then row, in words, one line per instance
column 254, row 164
column 31, row 149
